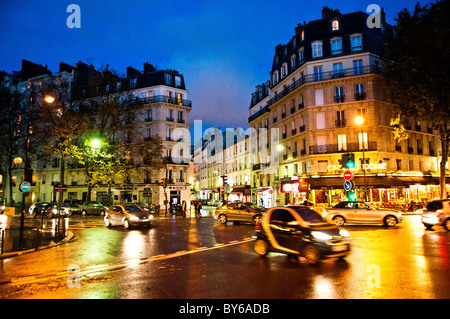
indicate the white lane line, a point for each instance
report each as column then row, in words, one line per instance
column 96, row 270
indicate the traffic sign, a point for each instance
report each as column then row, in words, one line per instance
column 222, row 190
column 348, row 185
column 348, row 175
column 60, row 187
column 24, row 187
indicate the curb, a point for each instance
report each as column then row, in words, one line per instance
column 69, row 238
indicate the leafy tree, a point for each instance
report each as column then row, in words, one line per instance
column 417, row 64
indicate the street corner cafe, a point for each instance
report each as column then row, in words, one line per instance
column 381, row 187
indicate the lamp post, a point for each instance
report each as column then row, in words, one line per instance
column 360, row 121
column 26, row 176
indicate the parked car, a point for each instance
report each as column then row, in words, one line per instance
column 127, row 215
column 361, row 212
column 238, row 211
column 437, row 212
column 300, row 231
column 93, row 207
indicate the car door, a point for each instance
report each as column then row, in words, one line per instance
column 231, row 211
column 243, row 212
column 115, row 215
column 285, row 234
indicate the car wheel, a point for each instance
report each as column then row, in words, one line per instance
column 311, row 254
column 83, row 212
column 107, row 221
column 390, row 221
column 447, row 224
column 126, row 224
column 339, row 220
column 261, row 247
column 222, row 218
column 428, row 226
column 257, row 219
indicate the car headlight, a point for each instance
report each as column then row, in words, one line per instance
column 134, row 218
column 344, row 233
column 150, row 217
column 320, row 236
column 54, row 210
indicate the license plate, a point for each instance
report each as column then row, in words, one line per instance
column 339, row 248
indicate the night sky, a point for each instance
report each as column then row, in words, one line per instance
column 223, row 48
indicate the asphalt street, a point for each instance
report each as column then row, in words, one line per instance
column 191, row 258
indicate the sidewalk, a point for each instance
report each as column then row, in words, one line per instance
column 10, row 241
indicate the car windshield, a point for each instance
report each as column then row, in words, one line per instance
column 258, row 208
column 308, row 215
column 133, row 209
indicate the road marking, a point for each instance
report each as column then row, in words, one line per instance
column 97, row 270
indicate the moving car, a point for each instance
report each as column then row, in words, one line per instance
column 93, row 207
column 38, row 208
column 437, row 212
column 70, row 208
column 127, row 215
column 361, row 212
column 238, row 211
column 300, row 231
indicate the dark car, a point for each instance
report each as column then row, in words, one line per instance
column 93, row 207
column 299, row 231
column 38, row 209
column 127, row 215
column 239, row 211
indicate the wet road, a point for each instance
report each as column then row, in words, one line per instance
column 199, row 258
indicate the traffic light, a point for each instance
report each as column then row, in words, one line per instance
column 351, row 196
column 348, row 160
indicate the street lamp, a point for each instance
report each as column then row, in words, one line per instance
column 95, row 143
column 49, row 99
column 360, row 121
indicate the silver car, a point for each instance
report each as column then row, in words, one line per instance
column 437, row 213
column 361, row 212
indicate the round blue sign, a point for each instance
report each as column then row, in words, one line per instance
column 347, row 185
column 24, row 187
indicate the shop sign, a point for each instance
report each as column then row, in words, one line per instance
column 370, row 166
column 295, row 187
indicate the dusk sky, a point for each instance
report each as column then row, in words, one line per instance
column 224, row 48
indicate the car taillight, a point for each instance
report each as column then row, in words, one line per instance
column 258, row 227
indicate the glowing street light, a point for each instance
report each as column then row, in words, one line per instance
column 95, row 143
column 49, row 99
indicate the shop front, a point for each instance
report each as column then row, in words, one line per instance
column 295, row 190
column 239, row 193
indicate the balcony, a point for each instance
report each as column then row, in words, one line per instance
column 341, row 123
column 360, row 96
column 294, row 131
column 324, row 76
column 339, row 148
column 166, row 99
column 302, row 128
column 170, row 119
column 339, row 98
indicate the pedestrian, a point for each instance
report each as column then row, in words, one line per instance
column 262, row 202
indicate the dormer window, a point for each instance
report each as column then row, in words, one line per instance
column 316, row 49
column 275, row 78
column 335, row 25
column 302, row 35
column 283, row 70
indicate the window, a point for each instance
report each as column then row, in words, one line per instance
column 339, row 96
column 318, row 74
column 169, row 96
column 284, row 70
column 335, row 25
column 177, row 81
column 179, row 98
column 133, row 83
column 293, row 61
column 317, row 49
column 342, row 143
column 150, row 96
column 275, row 78
column 336, row 46
column 362, row 141
column 282, row 215
column 337, row 70
column 340, row 118
column 358, row 67
column 320, row 121
column 321, row 144
column 318, row 93
column 302, row 35
column 301, row 55
column 359, row 92
column 149, row 132
column 167, row 78
column 356, row 42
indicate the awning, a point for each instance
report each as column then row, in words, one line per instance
column 373, row 181
column 241, row 189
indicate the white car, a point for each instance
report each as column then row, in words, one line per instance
column 437, row 213
column 361, row 212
